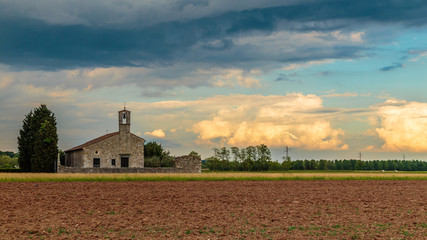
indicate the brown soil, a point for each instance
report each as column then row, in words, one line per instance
column 214, row 210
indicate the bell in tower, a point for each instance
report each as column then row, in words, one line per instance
column 124, row 121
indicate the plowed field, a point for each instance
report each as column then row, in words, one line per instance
column 214, row 210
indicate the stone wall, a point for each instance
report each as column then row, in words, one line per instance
column 63, row 169
column 189, row 164
column 73, row 159
column 112, row 148
column 183, row 164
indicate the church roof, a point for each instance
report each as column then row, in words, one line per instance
column 93, row 141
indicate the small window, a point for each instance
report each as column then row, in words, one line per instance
column 96, row 162
column 113, row 162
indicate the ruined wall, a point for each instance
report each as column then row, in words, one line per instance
column 189, row 164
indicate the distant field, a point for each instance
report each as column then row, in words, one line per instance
column 214, row 176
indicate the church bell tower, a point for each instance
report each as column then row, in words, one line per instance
column 124, row 121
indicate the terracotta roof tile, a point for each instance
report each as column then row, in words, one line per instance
column 91, row 142
column 138, row 137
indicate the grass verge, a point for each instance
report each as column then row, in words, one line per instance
column 211, row 176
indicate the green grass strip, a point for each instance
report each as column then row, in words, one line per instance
column 94, row 177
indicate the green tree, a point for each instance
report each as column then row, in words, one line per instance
column 26, row 143
column 322, row 165
column 236, row 154
column 222, row 154
column 8, row 153
column 286, row 164
column 263, row 152
column 8, row 162
column 152, row 149
column 37, row 141
column 263, row 157
column 45, row 149
column 156, row 156
column 195, row 154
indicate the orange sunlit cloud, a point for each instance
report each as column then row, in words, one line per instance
column 159, row 133
column 403, row 126
column 272, row 120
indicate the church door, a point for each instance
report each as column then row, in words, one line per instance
column 124, row 162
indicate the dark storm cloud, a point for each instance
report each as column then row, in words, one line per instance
column 40, row 45
column 392, row 67
column 282, row 77
column 286, row 77
column 325, row 73
column 88, row 40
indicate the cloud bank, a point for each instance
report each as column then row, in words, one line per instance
column 291, row 120
column 54, row 35
column 403, row 126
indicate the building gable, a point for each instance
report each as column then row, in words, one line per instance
column 93, row 141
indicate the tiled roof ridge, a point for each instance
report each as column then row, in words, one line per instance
column 93, row 141
column 138, row 136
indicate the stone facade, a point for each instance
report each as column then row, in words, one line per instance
column 120, row 149
column 116, row 148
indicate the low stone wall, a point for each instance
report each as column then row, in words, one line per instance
column 166, row 170
column 63, row 169
column 183, row 164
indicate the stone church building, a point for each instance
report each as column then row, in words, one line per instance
column 119, row 152
column 121, row 149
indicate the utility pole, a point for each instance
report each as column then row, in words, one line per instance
column 360, row 156
column 287, row 153
column 404, row 157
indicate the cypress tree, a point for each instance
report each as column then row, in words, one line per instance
column 45, row 148
column 25, row 144
column 37, row 141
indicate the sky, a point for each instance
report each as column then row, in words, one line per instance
column 327, row 78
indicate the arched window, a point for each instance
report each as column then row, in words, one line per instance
column 124, row 118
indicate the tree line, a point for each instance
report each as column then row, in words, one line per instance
column 9, row 153
column 258, row 158
column 8, row 160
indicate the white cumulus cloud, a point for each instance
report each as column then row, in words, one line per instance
column 158, row 133
column 291, row 120
column 403, row 126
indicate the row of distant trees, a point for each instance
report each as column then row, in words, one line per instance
column 8, row 160
column 258, row 158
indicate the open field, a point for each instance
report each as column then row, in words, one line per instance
column 214, row 210
column 213, row 176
